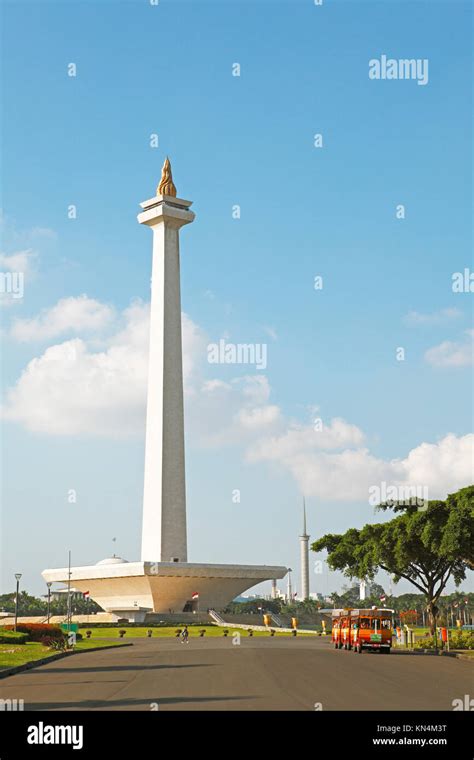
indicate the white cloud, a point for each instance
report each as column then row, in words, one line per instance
column 445, row 466
column 21, row 261
column 347, row 475
column 443, row 316
column 231, row 413
column 299, row 438
column 73, row 388
column 452, row 354
column 271, row 332
column 15, row 269
column 70, row 390
column 69, row 315
column 258, row 417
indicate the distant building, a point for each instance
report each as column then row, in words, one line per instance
column 60, row 594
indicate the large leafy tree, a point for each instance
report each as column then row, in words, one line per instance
column 425, row 545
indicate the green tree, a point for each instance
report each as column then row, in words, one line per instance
column 254, row 606
column 33, row 606
column 27, row 605
column 426, row 546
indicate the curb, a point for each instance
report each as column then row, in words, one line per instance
column 456, row 655
column 36, row 663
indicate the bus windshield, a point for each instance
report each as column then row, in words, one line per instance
column 374, row 624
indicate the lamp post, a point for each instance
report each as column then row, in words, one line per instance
column 17, row 576
column 49, row 584
column 69, row 595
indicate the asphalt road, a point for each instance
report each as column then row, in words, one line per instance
column 259, row 674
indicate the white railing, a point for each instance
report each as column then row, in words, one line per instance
column 217, row 618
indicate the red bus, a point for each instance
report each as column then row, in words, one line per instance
column 371, row 629
column 341, row 629
column 360, row 629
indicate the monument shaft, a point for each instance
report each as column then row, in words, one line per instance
column 164, row 498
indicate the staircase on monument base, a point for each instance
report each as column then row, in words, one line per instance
column 277, row 620
column 217, row 618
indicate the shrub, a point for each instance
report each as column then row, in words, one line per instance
column 122, row 633
column 457, row 640
column 37, row 631
column 88, row 634
column 202, row 632
column 13, row 637
column 225, row 632
column 59, row 645
column 462, row 640
column 425, row 644
column 149, row 633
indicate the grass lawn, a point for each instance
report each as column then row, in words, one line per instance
column 19, row 654
column 133, row 633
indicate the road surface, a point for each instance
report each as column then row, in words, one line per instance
column 259, row 674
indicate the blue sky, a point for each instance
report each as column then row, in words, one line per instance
column 305, row 211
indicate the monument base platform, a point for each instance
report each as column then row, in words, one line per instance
column 122, row 587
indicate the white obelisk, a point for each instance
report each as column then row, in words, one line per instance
column 304, row 556
column 164, row 497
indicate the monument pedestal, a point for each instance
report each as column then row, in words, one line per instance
column 117, row 585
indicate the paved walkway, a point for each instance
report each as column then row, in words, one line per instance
column 261, row 673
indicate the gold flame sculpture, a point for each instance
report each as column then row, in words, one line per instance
column 166, row 186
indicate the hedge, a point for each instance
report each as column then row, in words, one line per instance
column 37, row 631
column 164, row 624
column 457, row 640
column 13, row 637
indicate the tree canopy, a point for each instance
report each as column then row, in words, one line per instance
column 425, row 545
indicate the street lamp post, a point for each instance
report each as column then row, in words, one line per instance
column 17, row 576
column 49, row 584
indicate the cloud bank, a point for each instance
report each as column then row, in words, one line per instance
column 96, row 386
